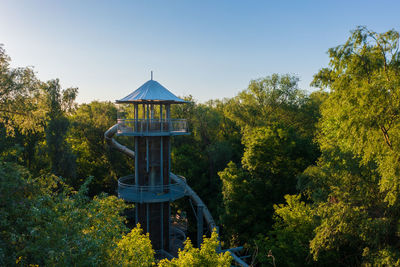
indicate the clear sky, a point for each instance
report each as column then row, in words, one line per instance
column 209, row 49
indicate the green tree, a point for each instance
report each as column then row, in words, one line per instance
column 353, row 189
column 289, row 239
column 34, row 117
column 277, row 123
column 45, row 222
column 360, row 119
column 364, row 81
column 21, row 121
column 204, row 256
column 18, row 86
column 62, row 160
column 94, row 156
column 134, row 249
column 272, row 158
column 273, row 99
column 214, row 141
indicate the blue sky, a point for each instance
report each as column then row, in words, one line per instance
column 209, row 49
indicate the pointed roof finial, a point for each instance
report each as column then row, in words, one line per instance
column 151, row 75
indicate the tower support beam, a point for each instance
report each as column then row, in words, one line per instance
column 199, row 225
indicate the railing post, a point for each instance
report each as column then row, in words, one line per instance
column 168, row 107
column 136, row 117
column 148, row 117
column 161, row 118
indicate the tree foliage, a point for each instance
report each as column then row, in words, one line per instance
column 34, row 117
column 94, row 156
column 354, row 186
column 362, row 214
column 204, row 256
column 214, row 141
column 288, row 241
column 310, row 179
column 45, row 222
column 134, row 249
column 277, row 124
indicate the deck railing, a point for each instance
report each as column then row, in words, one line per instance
column 126, row 126
column 129, row 191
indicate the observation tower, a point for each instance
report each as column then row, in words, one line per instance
column 145, row 116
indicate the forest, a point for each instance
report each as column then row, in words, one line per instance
column 298, row 178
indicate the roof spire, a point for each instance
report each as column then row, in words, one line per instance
column 151, row 75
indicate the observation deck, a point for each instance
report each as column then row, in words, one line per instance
column 129, row 191
column 152, row 127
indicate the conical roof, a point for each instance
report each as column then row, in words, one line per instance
column 151, row 92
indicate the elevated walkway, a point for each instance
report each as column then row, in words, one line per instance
column 129, row 191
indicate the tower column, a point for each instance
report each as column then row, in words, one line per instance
column 199, row 225
column 150, row 187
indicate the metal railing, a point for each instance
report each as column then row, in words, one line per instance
column 129, row 191
column 127, row 126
